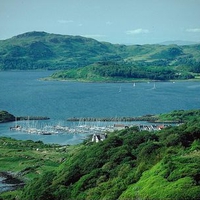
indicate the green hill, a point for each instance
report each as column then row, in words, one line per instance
column 128, row 164
column 41, row 50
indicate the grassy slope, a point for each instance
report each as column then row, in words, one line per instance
column 154, row 185
column 27, row 157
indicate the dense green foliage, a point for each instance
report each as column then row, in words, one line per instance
column 180, row 115
column 109, row 71
column 128, row 165
column 40, row 50
column 6, row 117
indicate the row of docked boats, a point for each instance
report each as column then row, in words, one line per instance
column 85, row 128
column 33, row 130
column 58, row 129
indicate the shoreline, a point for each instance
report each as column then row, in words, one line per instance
column 9, row 182
column 118, row 81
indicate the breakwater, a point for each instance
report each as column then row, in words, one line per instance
column 149, row 118
column 31, row 118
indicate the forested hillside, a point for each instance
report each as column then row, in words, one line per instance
column 41, row 50
column 129, row 164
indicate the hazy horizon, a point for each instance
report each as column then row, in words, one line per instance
column 178, row 42
column 118, row 22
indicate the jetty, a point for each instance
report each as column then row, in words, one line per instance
column 148, row 118
column 21, row 118
column 145, row 118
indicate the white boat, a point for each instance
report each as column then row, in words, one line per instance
column 154, row 86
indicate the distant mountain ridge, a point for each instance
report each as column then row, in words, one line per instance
column 41, row 50
column 179, row 42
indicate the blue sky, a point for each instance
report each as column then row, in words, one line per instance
column 115, row 21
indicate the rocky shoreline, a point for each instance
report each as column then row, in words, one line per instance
column 9, row 182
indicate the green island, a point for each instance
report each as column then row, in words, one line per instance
column 128, row 164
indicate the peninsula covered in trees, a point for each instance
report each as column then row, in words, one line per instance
column 115, row 72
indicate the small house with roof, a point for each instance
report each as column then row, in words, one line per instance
column 99, row 137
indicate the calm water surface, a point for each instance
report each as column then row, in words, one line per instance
column 23, row 94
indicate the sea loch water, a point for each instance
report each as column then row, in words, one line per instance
column 23, row 94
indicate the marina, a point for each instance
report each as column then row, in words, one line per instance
column 60, row 129
column 82, row 127
column 51, row 129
